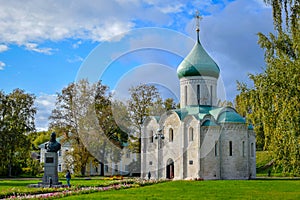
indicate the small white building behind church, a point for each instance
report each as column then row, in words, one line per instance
column 109, row 168
column 199, row 140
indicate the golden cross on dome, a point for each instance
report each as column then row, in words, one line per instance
column 198, row 18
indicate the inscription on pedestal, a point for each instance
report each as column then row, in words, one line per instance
column 49, row 159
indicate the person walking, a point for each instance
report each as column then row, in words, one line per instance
column 68, row 177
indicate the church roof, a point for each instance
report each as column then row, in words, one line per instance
column 250, row 127
column 198, row 63
column 220, row 114
column 232, row 117
column 209, row 123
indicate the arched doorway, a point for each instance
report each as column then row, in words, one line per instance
column 101, row 169
column 170, row 169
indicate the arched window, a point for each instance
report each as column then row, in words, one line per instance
column 151, row 137
column 191, row 134
column 216, row 148
column 198, row 94
column 171, row 135
column 252, row 149
column 185, row 95
column 211, row 95
column 230, row 148
column 243, row 148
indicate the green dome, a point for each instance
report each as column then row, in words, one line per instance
column 209, row 123
column 250, row 127
column 198, row 63
column 230, row 117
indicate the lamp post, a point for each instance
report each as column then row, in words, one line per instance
column 159, row 136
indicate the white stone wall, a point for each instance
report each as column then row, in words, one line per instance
column 191, row 151
column 252, row 155
column 149, row 149
column 120, row 168
column 207, row 87
column 205, row 156
column 234, row 166
column 171, row 149
column 209, row 156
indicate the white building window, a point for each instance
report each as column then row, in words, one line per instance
column 252, row 149
column 191, row 134
column 171, row 135
column 243, row 148
column 151, row 137
column 211, row 95
column 198, row 94
column 185, row 95
column 106, row 168
column 128, row 154
column 216, row 148
column 230, row 148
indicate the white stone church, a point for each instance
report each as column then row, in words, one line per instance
column 200, row 140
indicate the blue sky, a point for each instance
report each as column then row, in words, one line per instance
column 44, row 44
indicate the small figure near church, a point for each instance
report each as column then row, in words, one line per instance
column 68, row 177
column 53, row 145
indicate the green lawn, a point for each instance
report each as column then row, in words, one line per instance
column 229, row 189
column 221, row 189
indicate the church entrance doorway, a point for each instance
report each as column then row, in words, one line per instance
column 101, row 169
column 170, row 169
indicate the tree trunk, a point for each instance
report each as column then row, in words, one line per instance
column 83, row 168
column 9, row 163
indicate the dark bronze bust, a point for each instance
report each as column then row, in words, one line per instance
column 53, row 145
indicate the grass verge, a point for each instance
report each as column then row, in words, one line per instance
column 229, row 189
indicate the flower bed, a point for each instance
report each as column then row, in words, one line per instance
column 48, row 193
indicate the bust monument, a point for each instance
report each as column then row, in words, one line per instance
column 50, row 178
column 53, row 145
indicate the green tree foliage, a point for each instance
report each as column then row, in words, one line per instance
column 169, row 104
column 142, row 99
column 273, row 104
column 16, row 120
column 38, row 138
column 121, row 116
column 83, row 112
column 225, row 103
column 145, row 101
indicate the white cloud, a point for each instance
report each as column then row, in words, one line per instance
column 175, row 8
column 44, row 103
column 75, row 59
column 3, row 48
column 77, row 44
column 36, row 20
column 2, row 65
column 34, row 47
